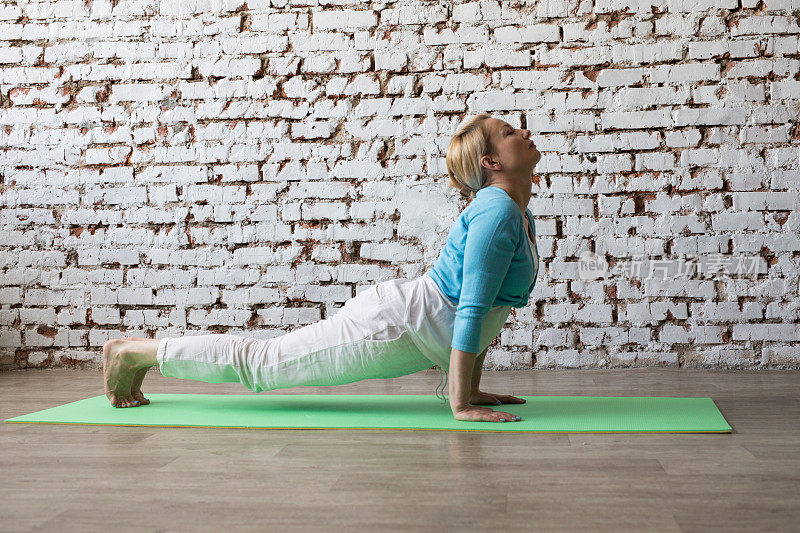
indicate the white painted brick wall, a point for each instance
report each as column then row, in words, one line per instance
column 217, row 167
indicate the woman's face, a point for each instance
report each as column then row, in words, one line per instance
column 514, row 150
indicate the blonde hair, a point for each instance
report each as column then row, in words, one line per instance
column 467, row 146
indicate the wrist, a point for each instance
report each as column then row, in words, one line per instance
column 459, row 406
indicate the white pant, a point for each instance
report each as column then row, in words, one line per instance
column 391, row 329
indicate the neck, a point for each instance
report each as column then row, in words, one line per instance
column 517, row 187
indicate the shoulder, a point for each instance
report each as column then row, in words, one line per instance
column 495, row 211
column 493, row 218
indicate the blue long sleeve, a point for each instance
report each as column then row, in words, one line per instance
column 491, row 241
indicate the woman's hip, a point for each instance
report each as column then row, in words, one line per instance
column 429, row 315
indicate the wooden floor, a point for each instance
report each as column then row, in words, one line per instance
column 93, row 478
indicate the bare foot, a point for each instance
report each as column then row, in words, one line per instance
column 118, row 372
column 136, row 387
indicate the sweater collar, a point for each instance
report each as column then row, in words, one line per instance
column 492, row 190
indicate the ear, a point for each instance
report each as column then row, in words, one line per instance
column 490, row 163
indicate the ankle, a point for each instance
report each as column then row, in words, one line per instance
column 134, row 358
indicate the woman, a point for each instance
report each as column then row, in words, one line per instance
column 447, row 316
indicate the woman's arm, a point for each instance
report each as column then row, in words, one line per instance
column 461, row 370
column 476, row 372
column 478, row 397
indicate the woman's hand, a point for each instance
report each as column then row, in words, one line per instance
column 484, row 414
column 484, row 398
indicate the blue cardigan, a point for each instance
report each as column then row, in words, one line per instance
column 486, row 262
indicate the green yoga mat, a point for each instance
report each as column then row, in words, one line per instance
column 541, row 414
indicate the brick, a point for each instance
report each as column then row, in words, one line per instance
column 727, row 311
column 603, row 336
column 766, row 332
column 343, row 19
column 737, row 221
column 469, row 12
